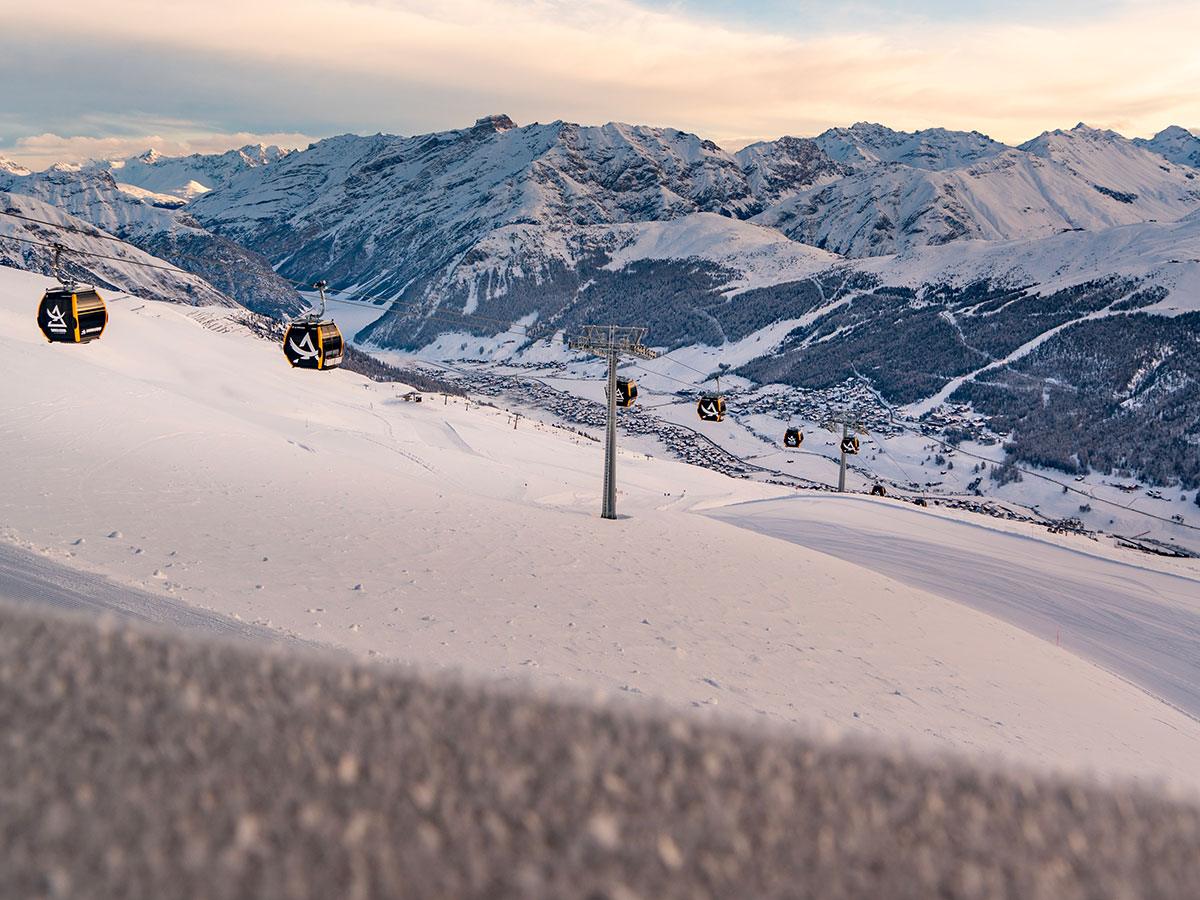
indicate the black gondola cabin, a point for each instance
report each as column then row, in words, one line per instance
column 793, row 437
column 313, row 344
column 850, row 445
column 711, row 408
column 878, row 491
column 72, row 316
column 626, row 392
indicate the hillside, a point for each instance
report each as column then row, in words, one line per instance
column 166, row 231
column 181, row 455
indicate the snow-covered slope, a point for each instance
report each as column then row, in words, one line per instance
column 93, row 196
column 438, row 535
column 776, row 170
column 187, row 177
column 93, row 256
column 390, row 214
column 1138, row 178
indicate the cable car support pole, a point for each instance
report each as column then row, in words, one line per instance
column 847, row 422
column 610, row 341
column 609, row 510
column 842, row 473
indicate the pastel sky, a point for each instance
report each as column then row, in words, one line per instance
column 84, row 79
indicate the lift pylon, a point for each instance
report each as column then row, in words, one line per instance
column 611, row 342
column 849, row 442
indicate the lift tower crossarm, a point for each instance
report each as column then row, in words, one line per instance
column 611, row 341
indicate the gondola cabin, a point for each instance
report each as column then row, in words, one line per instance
column 793, row 437
column 878, row 490
column 71, row 315
column 626, row 392
column 850, row 445
column 920, row 501
column 711, row 408
column 313, row 344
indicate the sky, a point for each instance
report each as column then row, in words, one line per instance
column 87, row 80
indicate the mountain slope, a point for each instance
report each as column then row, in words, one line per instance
column 94, row 196
column 93, row 256
column 391, row 214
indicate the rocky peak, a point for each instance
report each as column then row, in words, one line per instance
column 496, row 123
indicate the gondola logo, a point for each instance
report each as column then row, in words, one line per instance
column 57, row 320
column 305, row 349
column 709, row 409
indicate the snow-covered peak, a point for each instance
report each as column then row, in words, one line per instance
column 1123, row 171
column 186, row 177
column 776, row 170
column 1179, row 145
column 867, row 143
column 96, row 255
column 497, row 123
column 8, row 167
column 1061, row 143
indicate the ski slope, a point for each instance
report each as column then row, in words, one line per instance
column 1137, row 621
column 181, row 456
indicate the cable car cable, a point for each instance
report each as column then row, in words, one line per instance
column 1066, row 487
column 231, row 266
column 437, row 316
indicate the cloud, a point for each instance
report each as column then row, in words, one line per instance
column 324, row 66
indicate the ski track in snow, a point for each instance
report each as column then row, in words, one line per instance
column 1142, row 625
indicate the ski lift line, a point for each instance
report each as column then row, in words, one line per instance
column 436, row 316
column 369, row 299
column 690, row 384
column 365, row 299
column 1068, row 488
column 460, row 318
column 373, row 300
column 882, row 446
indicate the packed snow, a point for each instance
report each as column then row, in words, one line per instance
column 181, row 455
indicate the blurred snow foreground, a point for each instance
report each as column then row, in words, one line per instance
column 153, row 765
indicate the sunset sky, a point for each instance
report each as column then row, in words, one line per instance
column 82, row 79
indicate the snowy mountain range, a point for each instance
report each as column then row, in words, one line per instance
column 93, row 196
column 936, row 265
column 187, row 177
